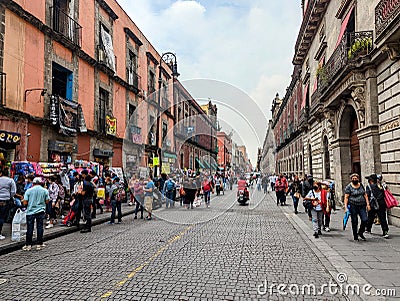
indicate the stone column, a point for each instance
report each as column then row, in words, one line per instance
column 342, row 162
column 366, row 97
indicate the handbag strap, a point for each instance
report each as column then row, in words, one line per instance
column 370, row 189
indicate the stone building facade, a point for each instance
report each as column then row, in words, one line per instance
column 347, row 56
column 267, row 164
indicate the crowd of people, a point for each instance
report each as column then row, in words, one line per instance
column 366, row 203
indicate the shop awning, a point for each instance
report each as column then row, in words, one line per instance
column 344, row 26
column 206, row 164
column 200, row 164
column 214, row 165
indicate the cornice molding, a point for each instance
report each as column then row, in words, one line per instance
column 103, row 4
column 130, row 34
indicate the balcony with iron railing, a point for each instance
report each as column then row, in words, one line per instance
column 387, row 17
column 107, row 59
column 351, row 48
column 132, row 78
column 62, row 23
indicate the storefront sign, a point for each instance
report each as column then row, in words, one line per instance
column 131, row 159
column 136, row 138
column 9, row 137
column 103, row 153
column 111, row 123
column 62, row 147
column 166, row 168
column 156, row 161
column 54, row 105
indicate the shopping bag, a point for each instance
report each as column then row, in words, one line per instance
column 390, row 200
column 18, row 229
column 101, row 193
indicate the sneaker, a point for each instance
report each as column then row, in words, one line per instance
column 319, row 232
column 385, row 235
column 119, row 222
column 130, row 203
column 149, row 218
column 361, row 235
column 40, row 247
column 48, row 222
column 49, row 226
column 141, row 217
column 26, row 248
column 110, row 223
column 327, row 229
column 315, row 234
column 2, row 237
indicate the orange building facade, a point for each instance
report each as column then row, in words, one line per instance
column 78, row 81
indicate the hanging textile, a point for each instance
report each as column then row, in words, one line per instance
column 344, row 26
column 108, row 48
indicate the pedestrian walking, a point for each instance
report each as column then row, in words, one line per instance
column 190, row 192
column 315, row 196
column 115, row 198
column 7, row 192
column 87, row 196
column 51, row 206
column 131, row 185
column 306, row 188
column 356, row 197
column 35, row 199
column 295, row 192
column 138, row 196
column 168, row 191
column 207, row 188
column 264, row 183
column 326, row 206
column 280, row 190
column 77, row 196
column 259, row 181
column 148, row 197
column 376, row 197
column 272, row 181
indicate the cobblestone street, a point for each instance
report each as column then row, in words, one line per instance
column 231, row 255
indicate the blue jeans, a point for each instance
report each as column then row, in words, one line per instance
column 169, row 198
column 207, row 195
column 30, row 220
column 295, row 202
column 355, row 211
column 116, row 206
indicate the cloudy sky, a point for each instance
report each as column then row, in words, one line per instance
column 248, row 44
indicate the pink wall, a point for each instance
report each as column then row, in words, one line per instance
column 34, row 70
column 86, row 20
column 86, row 92
column 35, row 7
column 120, row 109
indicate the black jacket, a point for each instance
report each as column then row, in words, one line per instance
column 378, row 193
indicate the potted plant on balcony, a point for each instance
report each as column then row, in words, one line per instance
column 361, row 46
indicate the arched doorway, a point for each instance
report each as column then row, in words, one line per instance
column 349, row 145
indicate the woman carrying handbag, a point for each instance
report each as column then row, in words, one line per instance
column 376, row 196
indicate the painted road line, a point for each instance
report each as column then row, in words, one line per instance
column 146, row 263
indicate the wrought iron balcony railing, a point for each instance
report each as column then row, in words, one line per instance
column 385, row 13
column 132, row 78
column 64, row 24
column 352, row 46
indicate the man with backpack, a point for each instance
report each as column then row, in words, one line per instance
column 115, row 198
column 168, row 191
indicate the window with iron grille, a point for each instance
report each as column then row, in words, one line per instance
column 131, row 69
column 103, row 102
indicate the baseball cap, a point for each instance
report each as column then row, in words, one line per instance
column 37, row 180
column 372, row 177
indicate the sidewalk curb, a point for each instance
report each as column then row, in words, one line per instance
column 61, row 231
column 333, row 262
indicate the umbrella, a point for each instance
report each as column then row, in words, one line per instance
column 346, row 217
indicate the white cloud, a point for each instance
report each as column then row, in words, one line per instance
column 247, row 43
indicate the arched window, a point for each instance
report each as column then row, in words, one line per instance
column 327, row 163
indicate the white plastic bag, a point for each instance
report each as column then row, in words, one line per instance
column 18, row 226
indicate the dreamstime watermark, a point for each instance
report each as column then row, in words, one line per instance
column 338, row 287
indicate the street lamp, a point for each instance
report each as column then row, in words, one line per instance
column 170, row 59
